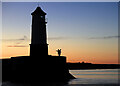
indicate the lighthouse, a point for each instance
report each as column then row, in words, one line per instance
column 38, row 46
column 39, row 65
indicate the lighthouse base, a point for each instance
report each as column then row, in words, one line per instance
column 44, row 69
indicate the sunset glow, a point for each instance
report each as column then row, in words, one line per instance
column 84, row 31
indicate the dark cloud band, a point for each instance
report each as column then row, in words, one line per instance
column 105, row 37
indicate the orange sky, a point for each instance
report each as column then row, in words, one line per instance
column 74, row 50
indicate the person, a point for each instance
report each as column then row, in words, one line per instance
column 59, row 52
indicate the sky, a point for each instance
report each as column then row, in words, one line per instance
column 85, row 31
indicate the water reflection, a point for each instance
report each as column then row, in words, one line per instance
column 105, row 77
column 100, row 76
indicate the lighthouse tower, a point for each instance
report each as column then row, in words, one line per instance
column 38, row 46
column 32, row 68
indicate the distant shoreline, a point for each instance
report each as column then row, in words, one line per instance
column 82, row 66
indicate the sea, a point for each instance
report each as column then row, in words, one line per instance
column 98, row 76
column 94, row 77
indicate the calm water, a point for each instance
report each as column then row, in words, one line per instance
column 84, row 77
column 98, row 76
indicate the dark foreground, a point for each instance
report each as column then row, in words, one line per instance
column 55, row 84
column 27, row 69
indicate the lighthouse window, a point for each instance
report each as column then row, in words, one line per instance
column 41, row 16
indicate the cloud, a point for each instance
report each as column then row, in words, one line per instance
column 19, row 39
column 25, row 38
column 17, row 46
column 18, row 42
column 21, row 42
column 105, row 37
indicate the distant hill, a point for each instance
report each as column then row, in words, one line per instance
column 75, row 66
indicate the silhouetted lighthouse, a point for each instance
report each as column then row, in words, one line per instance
column 38, row 46
column 32, row 68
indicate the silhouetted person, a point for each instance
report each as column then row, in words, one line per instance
column 59, row 52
